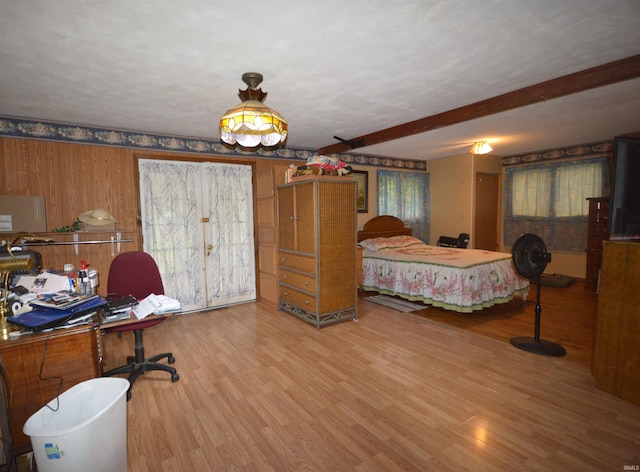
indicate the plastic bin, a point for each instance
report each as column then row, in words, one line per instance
column 87, row 432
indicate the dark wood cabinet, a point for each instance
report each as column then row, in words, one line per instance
column 597, row 231
column 616, row 356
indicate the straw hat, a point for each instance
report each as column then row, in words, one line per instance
column 97, row 217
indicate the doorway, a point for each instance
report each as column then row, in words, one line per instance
column 197, row 223
column 487, row 210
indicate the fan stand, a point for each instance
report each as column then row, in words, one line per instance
column 535, row 344
column 530, row 257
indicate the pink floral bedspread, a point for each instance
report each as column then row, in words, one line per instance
column 462, row 280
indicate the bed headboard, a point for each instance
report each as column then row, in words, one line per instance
column 384, row 226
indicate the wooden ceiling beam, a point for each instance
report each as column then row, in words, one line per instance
column 599, row 76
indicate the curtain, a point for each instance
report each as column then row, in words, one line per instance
column 228, row 202
column 197, row 223
column 549, row 200
column 406, row 195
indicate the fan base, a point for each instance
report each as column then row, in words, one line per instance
column 538, row 346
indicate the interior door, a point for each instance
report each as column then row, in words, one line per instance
column 191, row 218
column 487, row 208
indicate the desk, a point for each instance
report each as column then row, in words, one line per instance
column 71, row 353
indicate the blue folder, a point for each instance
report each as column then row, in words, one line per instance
column 44, row 318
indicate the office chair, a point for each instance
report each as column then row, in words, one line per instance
column 462, row 241
column 136, row 273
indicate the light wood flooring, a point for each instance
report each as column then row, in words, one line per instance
column 260, row 390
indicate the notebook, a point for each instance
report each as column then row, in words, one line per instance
column 44, row 318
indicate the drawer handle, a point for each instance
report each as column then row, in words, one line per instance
column 306, row 302
column 286, row 294
column 285, row 277
column 283, row 259
column 307, row 283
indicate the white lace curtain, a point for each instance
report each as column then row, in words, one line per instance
column 203, row 264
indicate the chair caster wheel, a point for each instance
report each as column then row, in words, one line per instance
column 171, row 359
column 175, row 377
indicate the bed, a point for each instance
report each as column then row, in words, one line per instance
column 462, row 280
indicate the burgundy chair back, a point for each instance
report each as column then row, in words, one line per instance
column 134, row 273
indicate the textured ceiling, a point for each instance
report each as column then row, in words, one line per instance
column 331, row 68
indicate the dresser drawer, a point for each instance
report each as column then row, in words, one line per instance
column 299, row 299
column 298, row 280
column 297, row 262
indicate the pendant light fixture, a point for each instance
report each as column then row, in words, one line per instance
column 252, row 123
column 481, row 147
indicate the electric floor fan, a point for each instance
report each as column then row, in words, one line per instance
column 530, row 257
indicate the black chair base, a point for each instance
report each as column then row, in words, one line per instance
column 138, row 365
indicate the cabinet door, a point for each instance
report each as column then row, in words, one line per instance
column 286, row 215
column 296, row 218
column 306, row 217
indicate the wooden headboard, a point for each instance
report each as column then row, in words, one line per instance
column 384, row 226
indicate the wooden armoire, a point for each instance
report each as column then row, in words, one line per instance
column 317, row 256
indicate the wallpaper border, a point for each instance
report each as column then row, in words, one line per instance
column 580, row 150
column 12, row 127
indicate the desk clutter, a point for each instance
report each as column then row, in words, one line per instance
column 36, row 303
column 124, row 307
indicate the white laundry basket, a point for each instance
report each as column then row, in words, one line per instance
column 87, row 432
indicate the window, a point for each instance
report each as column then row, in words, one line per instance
column 550, row 200
column 405, row 195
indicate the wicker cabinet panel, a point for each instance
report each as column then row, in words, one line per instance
column 297, row 261
column 306, row 282
column 302, row 300
column 317, row 246
column 296, row 218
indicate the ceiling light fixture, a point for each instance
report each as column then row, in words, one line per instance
column 481, row 147
column 252, row 123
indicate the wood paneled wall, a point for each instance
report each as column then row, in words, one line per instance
column 75, row 178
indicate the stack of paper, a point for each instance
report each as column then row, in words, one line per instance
column 167, row 305
column 44, row 283
column 157, row 304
